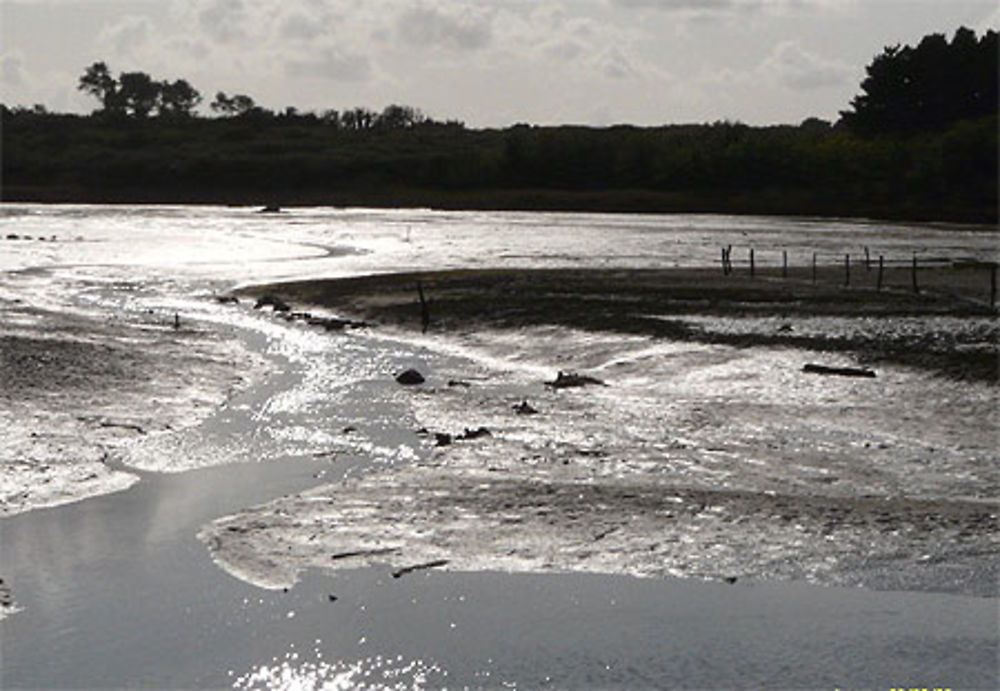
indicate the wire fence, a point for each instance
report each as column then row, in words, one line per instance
column 968, row 279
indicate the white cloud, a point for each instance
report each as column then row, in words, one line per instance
column 12, row 70
column 463, row 30
column 126, row 37
column 224, row 20
column 331, row 64
column 795, row 67
column 297, row 26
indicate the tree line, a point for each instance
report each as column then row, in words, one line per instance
column 137, row 95
column 148, row 144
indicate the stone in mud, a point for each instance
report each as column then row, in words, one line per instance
column 524, row 408
column 410, row 377
column 474, row 433
column 273, row 301
column 566, row 380
column 227, row 299
column 442, row 439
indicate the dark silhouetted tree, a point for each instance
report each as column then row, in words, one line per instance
column 232, row 106
column 177, row 99
column 395, row 117
column 909, row 89
column 98, row 82
column 138, row 93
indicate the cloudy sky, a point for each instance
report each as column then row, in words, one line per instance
column 486, row 62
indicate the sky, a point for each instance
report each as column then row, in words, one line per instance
column 488, row 63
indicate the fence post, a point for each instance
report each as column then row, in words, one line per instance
column 725, row 269
column 847, row 270
column 753, row 266
column 881, row 270
column 993, row 285
column 814, row 267
column 784, row 263
column 868, row 260
column 425, row 312
column 916, row 287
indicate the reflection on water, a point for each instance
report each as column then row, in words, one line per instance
column 376, row 672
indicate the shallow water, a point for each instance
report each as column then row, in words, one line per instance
column 118, row 591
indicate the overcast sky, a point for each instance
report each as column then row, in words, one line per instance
column 486, row 62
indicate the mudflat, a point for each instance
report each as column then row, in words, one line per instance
column 710, row 451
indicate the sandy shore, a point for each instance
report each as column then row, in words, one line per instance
column 707, row 453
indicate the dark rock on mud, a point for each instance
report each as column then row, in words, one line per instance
column 410, row 377
column 567, row 380
column 524, row 408
column 273, row 301
column 477, row 433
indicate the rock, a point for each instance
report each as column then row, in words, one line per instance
column 410, row 377
column 442, row 439
column 524, row 408
column 270, row 209
column 566, row 380
column 474, row 433
column 273, row 301
column 227, row 299
column 459, row 382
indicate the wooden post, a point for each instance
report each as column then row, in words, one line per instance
column 814, row 267
column 868, row 260
column 881, row 270
column 993, row 285
column 753, row 267
column 847, row 270
column 784, row 263
column 916, row 287
column 425, row 312
column 725, row 268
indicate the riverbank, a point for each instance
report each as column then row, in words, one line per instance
column 621, row 201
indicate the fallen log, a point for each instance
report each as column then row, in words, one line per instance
column 416, row 567
column 839, row 371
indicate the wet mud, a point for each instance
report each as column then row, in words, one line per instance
column 77, row 390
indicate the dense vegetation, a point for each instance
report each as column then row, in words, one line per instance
column 920, row 141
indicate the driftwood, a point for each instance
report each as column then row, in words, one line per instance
column 839, row 371
column 417, row 567
column 364, row 553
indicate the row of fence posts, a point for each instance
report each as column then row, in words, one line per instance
column 727, row 269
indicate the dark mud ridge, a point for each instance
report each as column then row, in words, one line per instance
column 661, row 303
